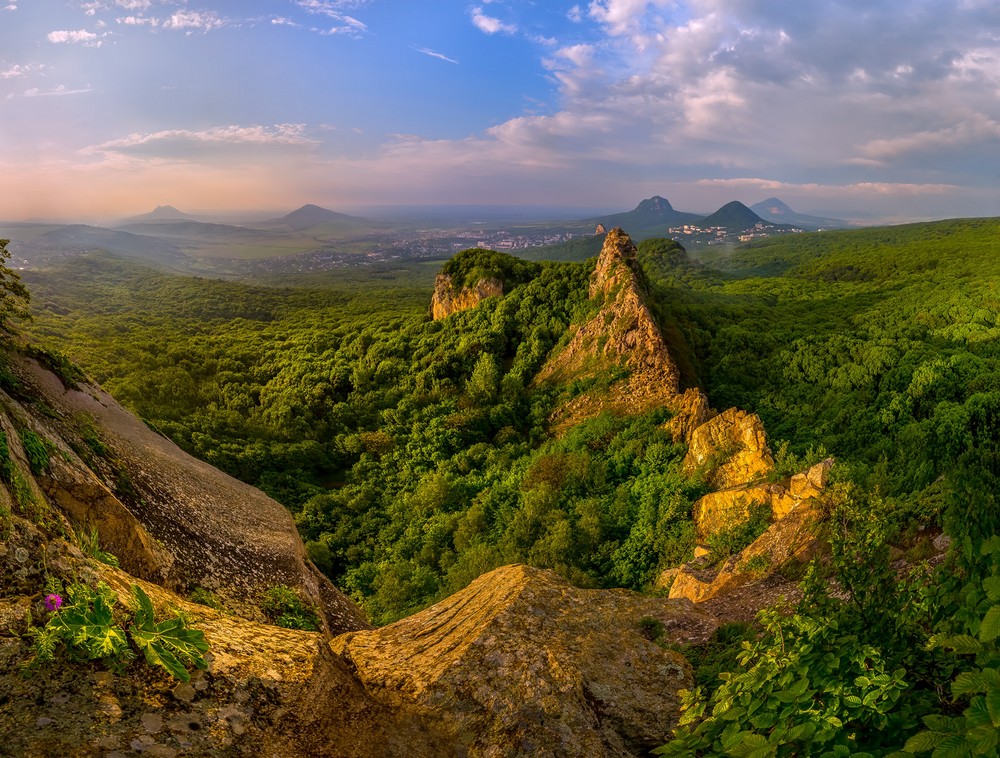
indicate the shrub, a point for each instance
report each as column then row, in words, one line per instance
column 730, row 541
column 36, row 450
column 283, row 606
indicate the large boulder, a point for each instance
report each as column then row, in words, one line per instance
column 730, row 449
column 523, row 664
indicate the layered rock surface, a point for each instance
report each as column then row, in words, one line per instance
column 268, row 691
column 522, row 664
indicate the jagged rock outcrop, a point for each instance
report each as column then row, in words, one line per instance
column 172, row 519
column 621, row 348
column 723, row 509
column 731, row 449
column 520, row 663
column 791, row 539
column 448, row 298
column 691, row 410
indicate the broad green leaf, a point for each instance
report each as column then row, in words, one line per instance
column 990, row 628
column 953, row 746
column 963, row 644
column 993, row 705
column 992, row 586
column 983, row 740
column 968, row 682
column 924, row 741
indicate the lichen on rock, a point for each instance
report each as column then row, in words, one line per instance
column 520, row 663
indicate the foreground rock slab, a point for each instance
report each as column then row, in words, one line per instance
column 520, row 663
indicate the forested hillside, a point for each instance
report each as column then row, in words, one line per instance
column 416, row 454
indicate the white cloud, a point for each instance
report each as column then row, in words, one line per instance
column 434, row 54
column 176, row 142
column 348, row 26
column 282, row 21
column 17, row 70
column 489, row 24
column 138, row 21
column 332, row 8
column 975, row 129
column 62, row 89
column 10, row 7
column 624, row 16
column 194, row 20
column 134, row 5
column 575, row 14
column 65, row 36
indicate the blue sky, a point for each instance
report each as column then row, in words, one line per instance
column 875, row 108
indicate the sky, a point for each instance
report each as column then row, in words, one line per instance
column 875, row 109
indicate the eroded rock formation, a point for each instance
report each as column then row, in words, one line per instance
column 730, row 449
column 520, row 663
column 794, row 538
column 171, row 518
column 448, row 298
column 621, row 347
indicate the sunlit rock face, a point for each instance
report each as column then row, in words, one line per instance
column 520, row 663
column 448, row 299
column 620, row 348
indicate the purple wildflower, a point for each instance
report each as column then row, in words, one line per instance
column 53, row 602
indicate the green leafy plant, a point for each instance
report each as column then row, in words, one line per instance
column 169, row 644
column 283, row 606
column 90, row 544
column 36, row 450
column 976, row 732
column 201, row 596
column 803, row 688
column 85, row 626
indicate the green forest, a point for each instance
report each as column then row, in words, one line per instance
column 416, row 454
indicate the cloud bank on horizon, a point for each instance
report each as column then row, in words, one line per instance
column 877, row 107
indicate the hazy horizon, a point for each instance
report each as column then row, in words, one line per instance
column 880, row 111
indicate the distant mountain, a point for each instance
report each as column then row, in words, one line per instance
column 160, row 213
column 310, row 215
column 734, row 217
column 193, row 230
column 650, row 218
column 83, row 238
column 776, row 211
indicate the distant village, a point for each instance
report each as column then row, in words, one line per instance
column 720, row 235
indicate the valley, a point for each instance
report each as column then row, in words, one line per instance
column 801, row 416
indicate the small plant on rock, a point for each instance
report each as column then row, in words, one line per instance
column 284, row 607
column 82, row 623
